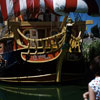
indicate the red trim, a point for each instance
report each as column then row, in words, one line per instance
column 29, row 5
column 14, row 46
column 36, row 6
column 71, row 5
column 16, row 6
column 42, row 57
column 49, row 5
column 4, row 9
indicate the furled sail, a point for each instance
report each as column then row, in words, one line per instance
column 61, row 7
column 13, row 8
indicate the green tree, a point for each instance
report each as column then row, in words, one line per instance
column 91, row 50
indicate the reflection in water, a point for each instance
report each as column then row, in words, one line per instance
column 40, row 92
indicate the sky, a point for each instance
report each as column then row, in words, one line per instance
column 84, row 17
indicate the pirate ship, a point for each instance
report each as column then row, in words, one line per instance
column 33, row 47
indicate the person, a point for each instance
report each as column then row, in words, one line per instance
column 93, row 92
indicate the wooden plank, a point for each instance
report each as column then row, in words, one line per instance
column 89, row 22
column 35, row 24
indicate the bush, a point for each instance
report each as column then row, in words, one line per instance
column 91, row 50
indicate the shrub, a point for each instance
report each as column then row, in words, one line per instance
column 90, row 50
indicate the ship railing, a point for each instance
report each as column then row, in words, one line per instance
column 42, row 47
column 48, row 44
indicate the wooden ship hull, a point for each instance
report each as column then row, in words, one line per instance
column 37, row 51
column 41, row 61
column 31, row 50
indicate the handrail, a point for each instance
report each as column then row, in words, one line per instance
column 58, row 39
column 53, row 46
column 60, row 33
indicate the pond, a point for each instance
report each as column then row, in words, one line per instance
column 42, row 91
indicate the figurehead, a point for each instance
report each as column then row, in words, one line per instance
column 70, row 22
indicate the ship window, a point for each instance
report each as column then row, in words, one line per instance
column 27, row 33
column 41, row 33
column 33, row 33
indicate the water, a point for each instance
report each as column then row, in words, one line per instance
column 41, row 91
